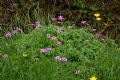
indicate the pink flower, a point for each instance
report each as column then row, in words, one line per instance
column 64, row 59
column 59, row 43
column 45, row 50
column 42, row 50
column 60, row 18
column 83, row 22
column 49, row 49
column 8, row 35
column 58, row 58
column 48, row 35
column 94, row 30
column 59, row 30
column 53, row 37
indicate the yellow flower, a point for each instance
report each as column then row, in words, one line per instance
column 25, row 55
column 93, row 78
column 97, row 14
column 98, row 18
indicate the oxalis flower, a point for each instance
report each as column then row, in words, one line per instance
column 93, row 78
column 59, row 43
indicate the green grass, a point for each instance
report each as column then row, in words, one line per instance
column 92, row 58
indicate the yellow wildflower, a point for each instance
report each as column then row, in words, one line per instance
column 25, row 55
column 93, row 78
column 98, row 18
column 97, row 14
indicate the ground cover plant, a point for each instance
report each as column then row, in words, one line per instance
column 58, row 53
column 59, row 40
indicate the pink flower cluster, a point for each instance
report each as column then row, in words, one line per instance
column 45, row 50
column 59, row 58
column 15, row 30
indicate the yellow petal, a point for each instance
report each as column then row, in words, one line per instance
column 98, row 18
column 97, row 14
column 93, row 78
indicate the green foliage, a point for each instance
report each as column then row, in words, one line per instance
column 83, row 50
